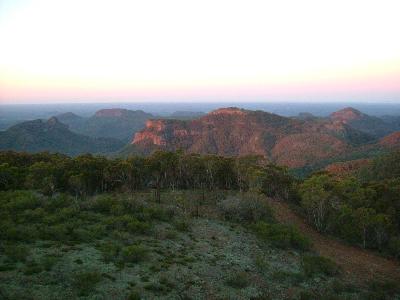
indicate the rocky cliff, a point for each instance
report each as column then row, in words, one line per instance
column 234, row 131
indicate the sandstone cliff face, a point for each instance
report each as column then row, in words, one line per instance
column 233, row 131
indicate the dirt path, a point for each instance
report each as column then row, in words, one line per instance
column 358, row 264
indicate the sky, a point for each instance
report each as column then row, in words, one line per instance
column 210, row 50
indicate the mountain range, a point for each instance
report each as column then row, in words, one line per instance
column 115, row 123
column 295, row 142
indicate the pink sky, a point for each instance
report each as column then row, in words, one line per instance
column 89, row 51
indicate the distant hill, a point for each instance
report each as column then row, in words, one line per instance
column 72, row 120
column 53, row 136
column 233, row 131
column 373, row 126
column 186, row 115
column 305, row 116
column 116, row 123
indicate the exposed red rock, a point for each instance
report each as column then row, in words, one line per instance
column 233, row 131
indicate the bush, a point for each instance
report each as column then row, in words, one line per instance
column 85, row 282
column 157, row 213
column 129, row 223
column 12, row 232
column 182, row 225
column 103, row 204
column 134, row 253
column 16, row 253
column 292, row 277
column 136, row 226
column 18, row 201
column 238, row 280
column 134, row 295
column 59, row 232
column 282, row 236
column 261, row 263
column 110, row 251
column 32, row 267
column 318, row 265
column 383, row 290
column 394, row 247
column 249, row 208
column 55, row 203
column 48, row 262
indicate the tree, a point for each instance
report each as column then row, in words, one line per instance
column 316, row 199
column 277, row 182
column 381, row 224
column 365, row 218
column 8, row 177
column 77, row 184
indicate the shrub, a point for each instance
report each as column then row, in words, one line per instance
column 134, row 253
column 7, row 267
column 182, row 225
column 32, row 267
column 171, row 235
column 282, row 236
column 48, row 262
column 394, row 246
column 238, row 280
column 157, row 213
column 292, row 277
column 16, row 253
column 249, row 208
column 103, row 204
column 136, row 226
column 12, row 232
column 261, row 263
column 61, row 201
column 110, row 251
column 307, row 295
column 59, row 232
column 19, row 201
column 128, row 222
column 318, row 265
column 85, row 282
column 134, row 295
column 156, row 288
